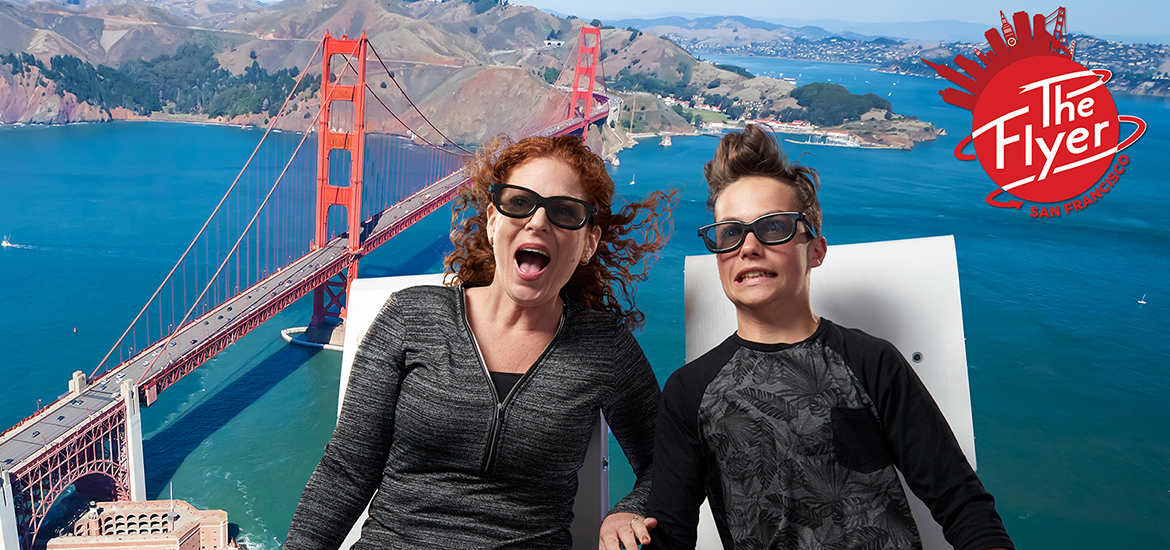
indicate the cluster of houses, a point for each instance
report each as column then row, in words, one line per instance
column 697, row 104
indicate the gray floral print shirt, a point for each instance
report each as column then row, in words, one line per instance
column 796, row 445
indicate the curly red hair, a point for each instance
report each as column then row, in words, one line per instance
column 630, row 238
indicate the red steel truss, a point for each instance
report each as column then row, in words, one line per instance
column 97, row 447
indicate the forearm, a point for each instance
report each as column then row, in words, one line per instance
column 631, row 415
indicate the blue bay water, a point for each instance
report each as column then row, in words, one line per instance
column 1068, row 372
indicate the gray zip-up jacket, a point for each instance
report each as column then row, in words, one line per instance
column 453, row 466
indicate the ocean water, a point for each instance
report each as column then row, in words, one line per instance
column 1068, row 372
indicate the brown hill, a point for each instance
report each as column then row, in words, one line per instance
column 104, row 34
column 732, row 31
column 478, row 103
column 206, row 12
column 285, row 34
column 643, row 113
column 507, row 27
column 44, row 31
column 475, row 74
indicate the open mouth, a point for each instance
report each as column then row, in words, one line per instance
column 531, row 262
column 751, row 275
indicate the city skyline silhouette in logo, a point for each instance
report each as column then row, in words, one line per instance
column 1044, row 127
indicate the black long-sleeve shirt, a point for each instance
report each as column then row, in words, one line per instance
column 453, row 466
column 795, row 446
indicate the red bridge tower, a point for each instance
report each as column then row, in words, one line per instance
column 342, row 130
column 587, row 49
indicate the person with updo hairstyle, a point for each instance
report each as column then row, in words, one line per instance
column 793, row 426
column 471, row 405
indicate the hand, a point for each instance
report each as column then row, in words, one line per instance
column 625, row 530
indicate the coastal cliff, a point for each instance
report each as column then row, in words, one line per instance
column 27, row 98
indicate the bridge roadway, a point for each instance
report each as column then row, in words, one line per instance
column 165, row 362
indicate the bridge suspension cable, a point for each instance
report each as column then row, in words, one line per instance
column 203, row 229
column 532, row 125
column 214, row 265
column 232, row 252
column 415, row 107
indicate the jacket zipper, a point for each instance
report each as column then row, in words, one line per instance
column 493, row 443
column 489, row 457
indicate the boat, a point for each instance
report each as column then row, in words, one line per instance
column 633, row 178
column 1142, row 301
column 4, row 243
column 615, row 161
column 665, row 140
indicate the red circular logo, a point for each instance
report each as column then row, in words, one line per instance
column 1045, row 128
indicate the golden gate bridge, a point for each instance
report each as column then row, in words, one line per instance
column 302, row 212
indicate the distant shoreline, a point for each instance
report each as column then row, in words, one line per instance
column 184, row 119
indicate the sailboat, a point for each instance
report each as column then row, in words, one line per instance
column 1143, row 300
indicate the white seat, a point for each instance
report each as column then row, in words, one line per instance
column 905, row 291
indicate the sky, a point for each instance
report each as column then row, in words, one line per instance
column 1100, row 17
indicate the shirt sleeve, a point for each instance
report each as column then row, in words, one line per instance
column 630, row 414
column 925, row 450
column 351, row 470
column 678, row 490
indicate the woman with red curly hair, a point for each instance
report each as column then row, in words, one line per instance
column 470, row 406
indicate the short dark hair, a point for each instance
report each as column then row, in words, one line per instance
column 756, row 152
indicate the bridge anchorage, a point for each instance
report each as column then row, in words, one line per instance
column 292, row 223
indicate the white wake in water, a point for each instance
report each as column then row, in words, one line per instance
column 257, row 545
column 6, row 243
